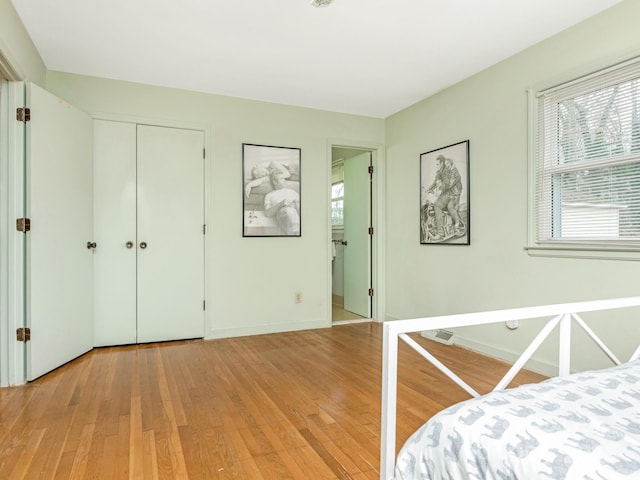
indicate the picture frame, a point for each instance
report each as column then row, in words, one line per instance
column 271, row 191
column 444, row 196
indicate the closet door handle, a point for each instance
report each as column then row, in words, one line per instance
column 129, row 244
column 91, row 245
column 143, row 245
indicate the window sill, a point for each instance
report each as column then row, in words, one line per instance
column 600, row 252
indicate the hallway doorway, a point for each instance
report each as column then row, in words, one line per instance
column 351, row 234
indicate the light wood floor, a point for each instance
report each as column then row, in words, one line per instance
column 339, row 314
column 300, row 405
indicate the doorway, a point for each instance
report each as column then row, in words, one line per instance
column 351, row 234
column 4, row 317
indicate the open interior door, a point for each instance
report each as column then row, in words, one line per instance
column 58, row 258
column 357, row 220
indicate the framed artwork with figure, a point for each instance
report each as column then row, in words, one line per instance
column 444, row 195
column 271, row 191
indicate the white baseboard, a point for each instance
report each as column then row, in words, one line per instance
column 215, row 333
column 534, row 365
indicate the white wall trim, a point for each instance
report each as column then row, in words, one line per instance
column 8, row 65
column 217, row 333
column 534, row 365
column 152, row 121
column 509, row 356
column 5, row 68
column 12, row 293
column 4, row 234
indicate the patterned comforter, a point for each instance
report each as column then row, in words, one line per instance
column 582, row 426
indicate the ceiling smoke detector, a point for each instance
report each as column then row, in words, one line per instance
column 321, row 3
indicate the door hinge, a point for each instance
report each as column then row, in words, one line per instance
column 23, row 114
column 370, row 170
column 204, row 229
column 23, row 224
column 23, row 334
column 371, row 292
column 204, row 154
column 204, row 304
column 370, row 230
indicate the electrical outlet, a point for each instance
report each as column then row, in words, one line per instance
column 298, row 297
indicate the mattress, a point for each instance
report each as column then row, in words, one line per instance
column 582, row 426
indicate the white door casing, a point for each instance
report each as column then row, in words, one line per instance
column 12, row 314
column 357, row 220
column 59, row 204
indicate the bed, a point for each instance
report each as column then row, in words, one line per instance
column 583, row 425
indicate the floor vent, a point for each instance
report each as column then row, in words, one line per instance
column 441, row 336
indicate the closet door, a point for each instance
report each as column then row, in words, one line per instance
column 149, row 267
column 170, row 209
column 114, row 157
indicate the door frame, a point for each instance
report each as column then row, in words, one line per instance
column 377, row 219
column 12, row 206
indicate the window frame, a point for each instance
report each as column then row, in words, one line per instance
column 339, row 226
column 610, row 250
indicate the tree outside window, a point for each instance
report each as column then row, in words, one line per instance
column 337, row 204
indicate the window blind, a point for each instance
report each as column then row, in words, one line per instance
column 588, row 159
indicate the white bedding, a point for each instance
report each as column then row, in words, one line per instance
column 582, row 426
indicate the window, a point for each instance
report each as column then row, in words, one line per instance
column 337, row 204
column 587, row 162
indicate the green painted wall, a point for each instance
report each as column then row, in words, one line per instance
column 490, row 110
column 16, row 47
column 251, row 281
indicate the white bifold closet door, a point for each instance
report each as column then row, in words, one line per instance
column 148, row 226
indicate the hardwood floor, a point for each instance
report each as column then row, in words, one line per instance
column 299, row 405
column 340, row 315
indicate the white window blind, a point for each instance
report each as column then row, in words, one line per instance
column 588, row 159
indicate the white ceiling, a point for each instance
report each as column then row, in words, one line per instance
column 366, row 57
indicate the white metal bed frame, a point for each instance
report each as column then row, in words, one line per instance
column 561, row 315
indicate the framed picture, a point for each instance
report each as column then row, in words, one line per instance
column 270, row 191
column 444, row 195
